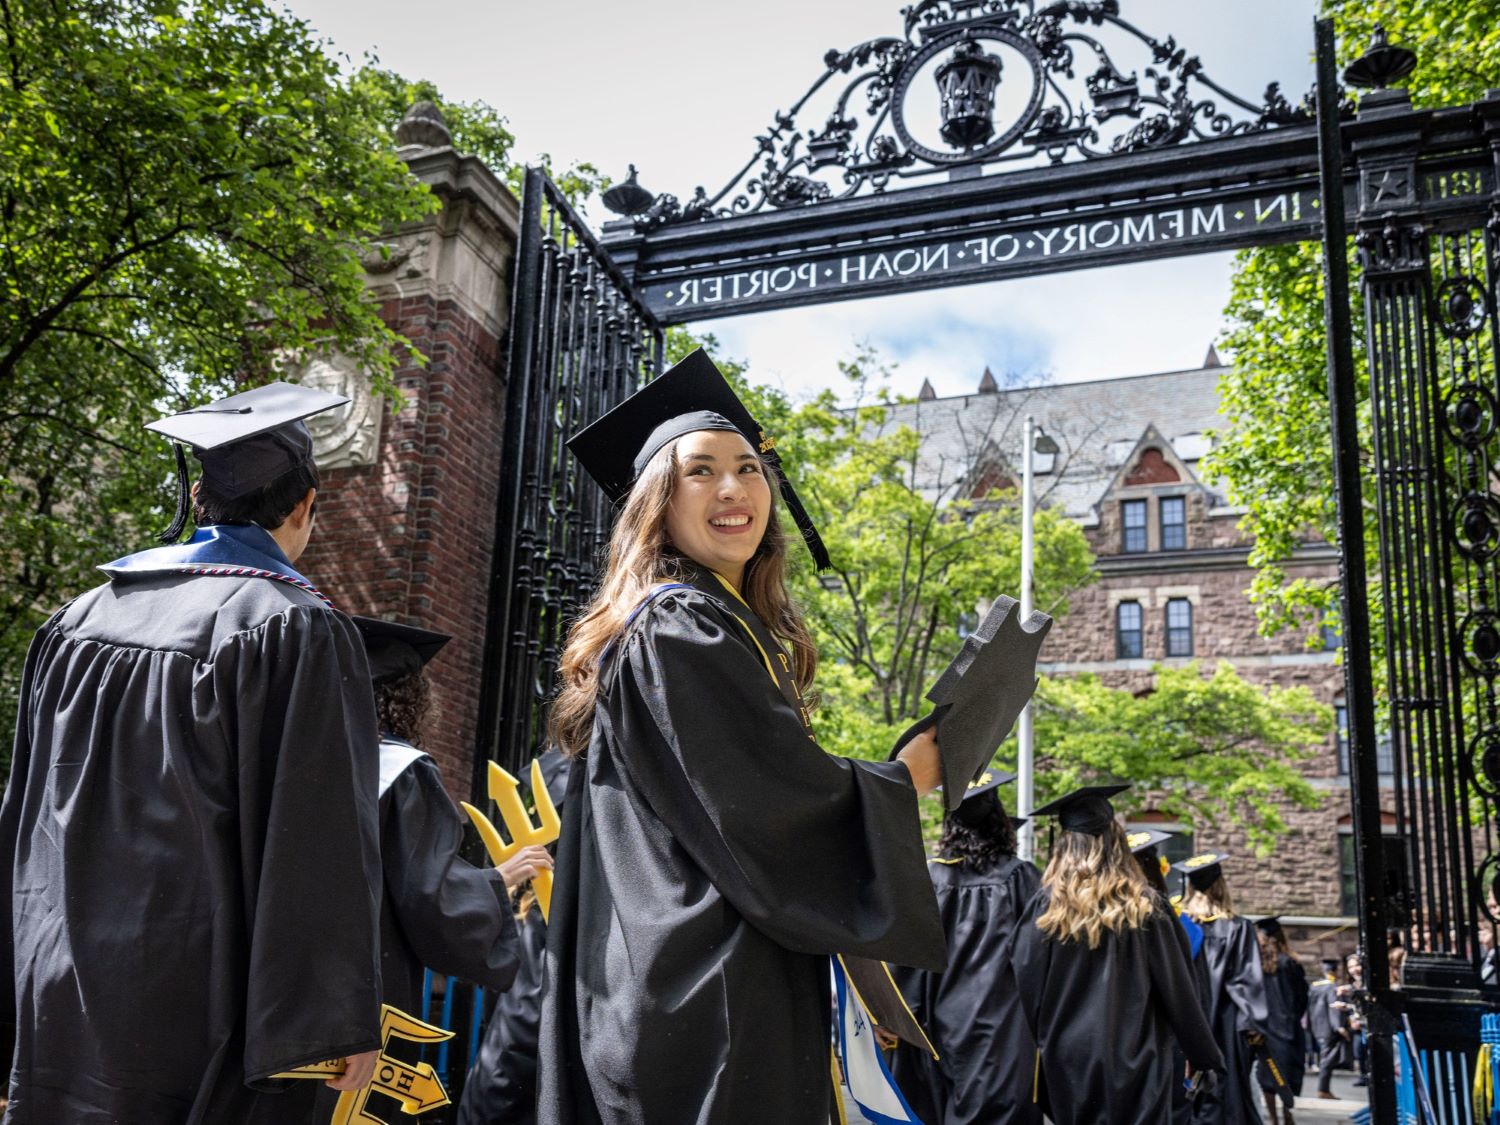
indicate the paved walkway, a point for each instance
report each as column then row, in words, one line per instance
column 1348, row 1098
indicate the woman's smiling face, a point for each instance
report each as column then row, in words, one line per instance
column 721, row 501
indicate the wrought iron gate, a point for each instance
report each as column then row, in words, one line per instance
column 580, row 342
column 1427, row 861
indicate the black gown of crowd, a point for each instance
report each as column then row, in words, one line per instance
column 244, row 703
column 1236, row 1007
column 983, row 1072
column 1105, row 1019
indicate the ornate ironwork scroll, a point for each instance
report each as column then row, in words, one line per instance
column 581, row 342
column 972, row 83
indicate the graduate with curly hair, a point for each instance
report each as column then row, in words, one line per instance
column 985, row 1052
column 1102, row 968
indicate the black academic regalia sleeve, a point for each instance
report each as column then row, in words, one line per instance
column 1243, row 979
column 295, row 700
column 455, row 916
column 10, row 820
column 1299, row 987
column 1170, row 958
column 822, row 854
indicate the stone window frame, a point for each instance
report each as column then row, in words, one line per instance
column 1139, row 630
column 1385, row 750
column 1126, row 527
column 1180, row 525
column 1176, row 632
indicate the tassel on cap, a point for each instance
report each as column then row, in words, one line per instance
column 184, row 493
column 800, row 517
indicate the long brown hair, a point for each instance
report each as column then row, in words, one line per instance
column 1212, row 901
column 1272, row 946
column 641, row 557
column 1096, row 885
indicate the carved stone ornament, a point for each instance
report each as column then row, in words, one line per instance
column 348, row 436
column 405, row 259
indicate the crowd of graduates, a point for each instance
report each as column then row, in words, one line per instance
column 222, row 848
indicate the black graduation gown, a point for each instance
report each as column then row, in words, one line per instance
column 1236, row 1005
column 985, row 1051
column 1325, row 1021
column 1286, row 1004
column 501, row 1086
column 438, row 911
column 190, row 863
column 1104, row 1019
column 712, row 858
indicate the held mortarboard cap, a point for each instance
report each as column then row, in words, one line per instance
column 980, row 694
column 245, row 441
column 1142, row 838
column 1269, row 925
column 396, row 651
column 691, row 396
column 1085, row 810
column 1203, row 870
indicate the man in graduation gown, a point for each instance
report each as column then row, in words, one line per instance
column 1328, row 1021
column 983, row 1072
column 190, row 865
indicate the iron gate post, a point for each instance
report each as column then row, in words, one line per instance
column 1358, row 676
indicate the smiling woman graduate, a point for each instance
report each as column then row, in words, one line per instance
column 713, row 857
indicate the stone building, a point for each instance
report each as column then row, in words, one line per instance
column 1172, row 585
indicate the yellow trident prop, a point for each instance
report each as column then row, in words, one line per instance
column 505, row 791
column 416, row 1086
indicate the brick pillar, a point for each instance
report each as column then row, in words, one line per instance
column 406, row 514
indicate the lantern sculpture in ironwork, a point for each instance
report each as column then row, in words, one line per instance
column 967, row 83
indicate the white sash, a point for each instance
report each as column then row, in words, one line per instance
column 395, row 756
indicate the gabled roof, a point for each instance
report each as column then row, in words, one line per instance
column 1152, row 438
column 1098, row 424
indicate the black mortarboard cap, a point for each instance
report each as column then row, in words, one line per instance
column 980, row 694
column 1330, row 964
column 245, row 441
column 691, row 396
column 1140, row 839
column 1084, row 810
column 1203, row 870
column 1017, row 821
column 396, row 651
column 988, row 781
column 1269, row 925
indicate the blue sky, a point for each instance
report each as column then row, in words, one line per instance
column 682, row 87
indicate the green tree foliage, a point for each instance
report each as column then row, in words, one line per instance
column 1213, row 748
column 1275, row 452
column 186, row 193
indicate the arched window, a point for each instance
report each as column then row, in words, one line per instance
column 1128, row 631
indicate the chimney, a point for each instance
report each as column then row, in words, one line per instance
column 987, row 384
column 926, row 394
column 1212, row 358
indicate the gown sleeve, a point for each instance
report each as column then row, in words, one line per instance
column 1172, row 982
column 296, row 702
column 1244, row 980
column 456, row 916
column 822, row 854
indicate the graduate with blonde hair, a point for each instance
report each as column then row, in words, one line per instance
column 1102, row 969
column 1236, row 987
